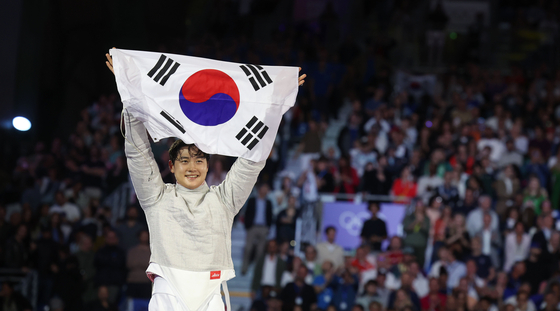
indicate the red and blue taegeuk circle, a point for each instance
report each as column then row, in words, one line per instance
column 209, row 97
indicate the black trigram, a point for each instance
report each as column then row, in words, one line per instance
column 165, row 72
column 173, row 121
column 256, row 72
column 248, row 135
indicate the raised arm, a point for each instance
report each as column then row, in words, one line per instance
column 142, row 166
column 239, row 182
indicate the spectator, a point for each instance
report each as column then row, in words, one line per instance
column 350, row 133
column 12, row 300
column 45, row 256
column 68, row 279
column 86, row 263
column 102, row 303
column 534, row 195
column 516, row 246
column 329, row 250
column 542, row 236
column 17, row 250
column 404, row 186
column 417, row 229
column 374, row 230
column 345, row 290
column 428, row 184
column 510, row 156
column 217, row 174
column 475, row 219
column 457, row 237
column 505, row 189
column 258, row 219
column 311, row 261
column 376, row 179
column 128, row 232
column 467, row 205
column 405, row 295
column 536, row 271
column 268, row 269
column 286, row 221
column 434, row 300
column 369, row 295
column 491, row 240
column 62, row 206
column 281, row 196
column 110, row 266
column 322, row 285
column 484, row 267
column 346, row 178
column 298, row 293
column 420, row 282
column 448, row 191
column 137, row 260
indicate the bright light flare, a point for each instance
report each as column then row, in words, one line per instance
column 21, row 124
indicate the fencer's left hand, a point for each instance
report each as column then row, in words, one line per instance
column 301, row 78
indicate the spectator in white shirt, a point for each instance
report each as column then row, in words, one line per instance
column 475, row 218
column 517, row 246
column 62, row 206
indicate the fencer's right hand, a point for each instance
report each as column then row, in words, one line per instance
column 109, row 62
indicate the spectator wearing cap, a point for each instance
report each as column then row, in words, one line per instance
column 374, row 230
column 475, row 219
column 329, row 250
column 417, row 229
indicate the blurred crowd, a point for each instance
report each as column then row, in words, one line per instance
column 474, row 157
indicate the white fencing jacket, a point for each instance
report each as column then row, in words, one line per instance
column 190, row 230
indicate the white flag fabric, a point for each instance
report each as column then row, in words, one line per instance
column 224, row 108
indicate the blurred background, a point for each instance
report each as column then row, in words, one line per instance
column 418, row 169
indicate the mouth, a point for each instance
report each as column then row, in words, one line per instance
column 191, row 177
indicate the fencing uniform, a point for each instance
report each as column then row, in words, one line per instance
column 190, row 229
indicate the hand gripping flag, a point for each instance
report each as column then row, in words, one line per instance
column 224, row 108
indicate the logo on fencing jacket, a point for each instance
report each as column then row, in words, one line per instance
column 215, row 275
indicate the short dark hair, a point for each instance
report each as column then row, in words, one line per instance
column 194, row 151
column 329, row 228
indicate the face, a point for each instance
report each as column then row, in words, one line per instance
column 190, row 172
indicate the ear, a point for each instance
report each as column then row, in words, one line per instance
column 171, row 168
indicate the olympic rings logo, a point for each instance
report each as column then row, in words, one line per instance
column 353, row 222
